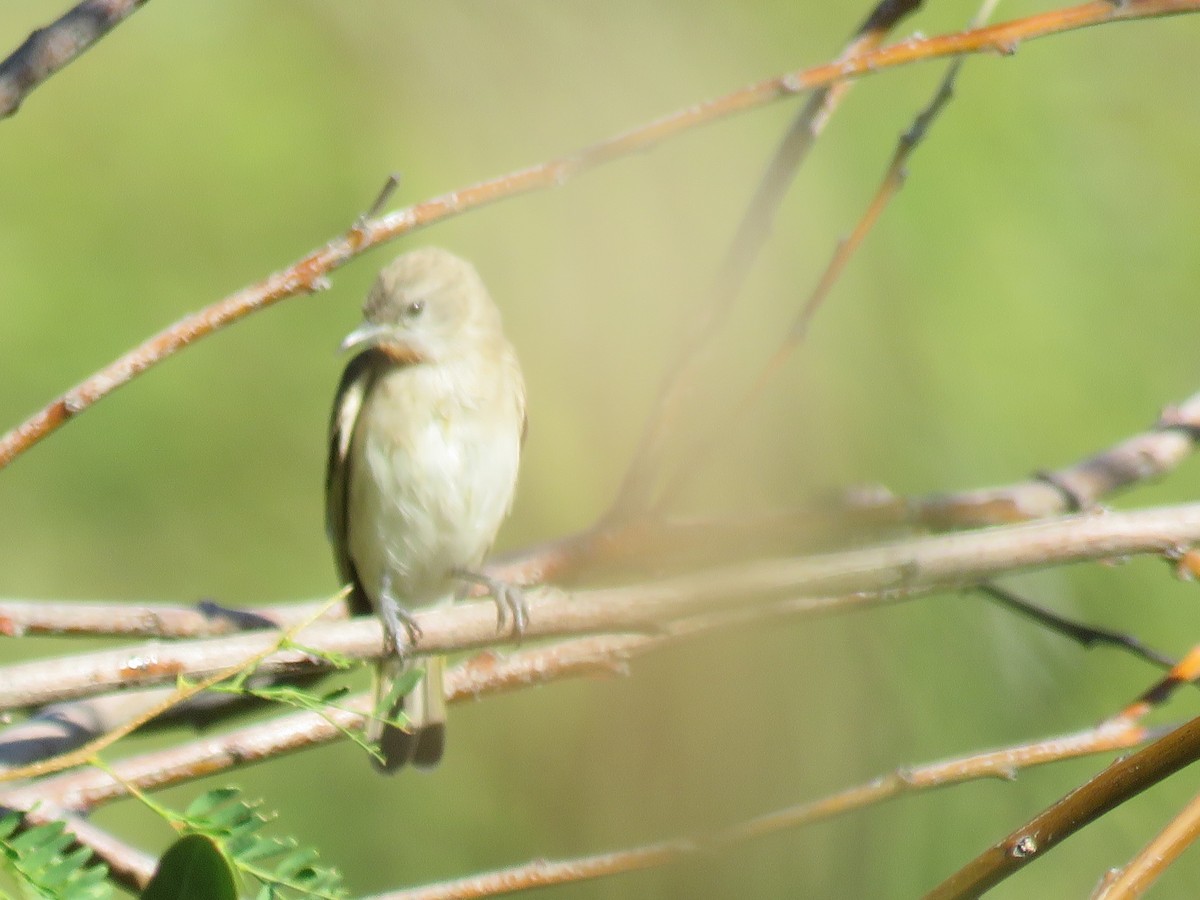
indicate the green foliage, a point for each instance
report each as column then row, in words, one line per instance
column 282, row 868
column 42, row 863
column 299, row 698
column 192, row 869
column 1028, row 298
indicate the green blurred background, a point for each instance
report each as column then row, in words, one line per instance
column 1027, row 299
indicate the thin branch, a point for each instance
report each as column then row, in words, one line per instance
column 1087, row 636
column 481, row 676
column 62, row 727
column 1145, row 868
column 21, row 618
column 543, row 873
column 677, row 544
column 48, row 49
column 182, row 693
column 1003, row 763
column 693, row 458
column 1124, row 779
column 311, row 272
column 1186, row 671
column 1080, row 486
column 87, row 789
column 943, row 561
column 635, row 494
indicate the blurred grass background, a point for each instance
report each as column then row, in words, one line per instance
column 1027, row 299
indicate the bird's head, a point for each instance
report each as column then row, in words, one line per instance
column 427, row 305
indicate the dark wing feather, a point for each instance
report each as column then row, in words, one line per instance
column 358, row 379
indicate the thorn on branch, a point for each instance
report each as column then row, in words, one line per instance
column 376, row 207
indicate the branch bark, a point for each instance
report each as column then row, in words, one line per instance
column 920, row 564
column 311, row 273
column 49, row 49
column 1124, row 779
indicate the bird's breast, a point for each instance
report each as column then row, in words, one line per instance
column 436, row 467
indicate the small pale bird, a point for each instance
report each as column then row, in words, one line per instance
column 424, row 445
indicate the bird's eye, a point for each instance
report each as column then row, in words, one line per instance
column 414, row 309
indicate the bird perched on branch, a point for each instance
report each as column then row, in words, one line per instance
column 424, row 444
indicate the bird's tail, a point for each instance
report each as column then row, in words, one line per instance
column 422, row 740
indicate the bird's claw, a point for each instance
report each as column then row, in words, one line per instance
column 396, row 618
column 512, row 612
column 510, row 604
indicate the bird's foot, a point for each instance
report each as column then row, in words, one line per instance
column 509, row 599
column 395, row 619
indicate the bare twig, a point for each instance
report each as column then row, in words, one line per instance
column 87, row 789
column 953, row 560
column 481, row 676
column 692, row 460
column 543, row 873
column 311, row 272
column 19, row 618
column 64, row 726
column 1087, row 636
column 676, row 544
column 1145, row 868
column 1003, row 763
column 48, row 49
column 635, row 495
column 1186, row 671
column 182, row 693
column 1124, row 779
column 1080, row 486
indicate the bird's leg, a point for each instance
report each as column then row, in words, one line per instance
column 395, row 617
column 508, row 597
column 389, row 688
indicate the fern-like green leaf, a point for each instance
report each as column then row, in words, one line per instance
column 42, row 861
column 208, row 801
column 283, row 869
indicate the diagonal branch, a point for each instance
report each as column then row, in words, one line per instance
column 311, row 272
column 635, row 494
column 1079, row 486
column 48, row 49
column 1154, row 859
column 1002, row 763
column 87, row 789
column 1124, row 779
column 893, row 179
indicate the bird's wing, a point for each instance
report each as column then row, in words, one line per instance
column 360, row 375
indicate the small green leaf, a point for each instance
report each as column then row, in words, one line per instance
column 193, row 868
column 207, row 802
column 37, row 836
column 295, row 861
column 262, row 848
column 8, row 824
column 38, row 858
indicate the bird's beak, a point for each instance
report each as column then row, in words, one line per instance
column 365, row 335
